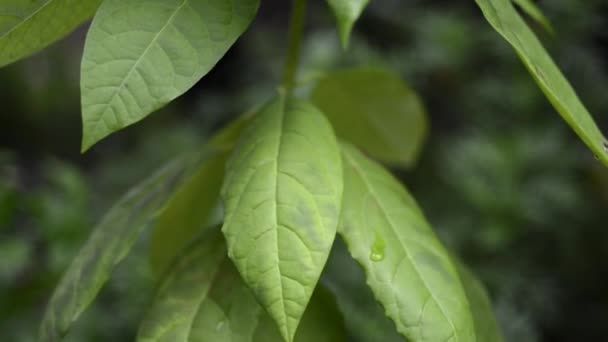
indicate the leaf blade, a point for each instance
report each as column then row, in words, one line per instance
column 406, row 266
column 282, row 199
column 29, row 26
column 188, row 212
column 486, row 326
column 387, row 120
column 205, row 299
column 141, row 54
column 108, row 245
column 535, row 13
column 508, row 23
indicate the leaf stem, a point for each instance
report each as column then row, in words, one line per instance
column 296, row 31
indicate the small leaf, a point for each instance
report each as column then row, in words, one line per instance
column 193, row 206
column 109, row 244
column 505, row 19
column 535, row 13
column 347, row 12
column 205, row 299
column 29, row 26
column 282, row 197
column 376, row 111
column 407, row 268
column 486, row 326
column 188, row 212
column 141, row 54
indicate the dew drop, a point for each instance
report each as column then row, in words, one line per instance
column 605, row 144
column 377, row 252
column 219, row 325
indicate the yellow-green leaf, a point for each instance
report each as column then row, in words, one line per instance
column 376, row 111
column 203, row 298
column 406, row 266
column 188, row 212
column 27, row 26
column 535, row 13
column 282, row 196
column 486, row 326
column 141, row 54
column 504, row 18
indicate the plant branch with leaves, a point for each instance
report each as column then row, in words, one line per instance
column 288, row 179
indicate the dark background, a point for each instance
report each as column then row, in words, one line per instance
column 502, row 178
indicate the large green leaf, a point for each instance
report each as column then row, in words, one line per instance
column 407, row 268
column 533, row 11
column 188, row 212
column 504, row 18
column 28, row 26
column 109, row 244
column 203, row 298
column 141, row 54
column 486, row 326
column 282, row 198
column 347, row 12
column 375, row 110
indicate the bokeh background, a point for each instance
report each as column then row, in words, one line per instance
column 502, row 178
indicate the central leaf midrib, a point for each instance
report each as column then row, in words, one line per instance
column 136, row 64
column 281, row 125
column 381, row 207
column 30, row 16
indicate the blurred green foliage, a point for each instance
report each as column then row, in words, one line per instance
column 502, row 178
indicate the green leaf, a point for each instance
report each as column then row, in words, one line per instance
column 229, row 135
column 109, row 244
column 282, row 198
column 407, row 268
column 504, row 18
column 376, row 111
column 347, row 12
column 29, row 26
column 193, row 207
column 188, row 212
column 205, row 299
column 535, row 13
column 486, row 326
column 141, row 54
column 365, row 319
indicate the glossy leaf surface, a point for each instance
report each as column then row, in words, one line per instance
column 407, row 268
column 141, row 54
column 504, row 18
column 282, row 198
column 29, row 26
column 376, row 111
column 109, row 244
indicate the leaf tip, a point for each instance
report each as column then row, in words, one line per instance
column 345, row 32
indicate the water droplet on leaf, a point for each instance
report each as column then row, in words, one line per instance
column 377, row 252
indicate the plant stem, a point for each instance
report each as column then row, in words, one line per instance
column 296, row 31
